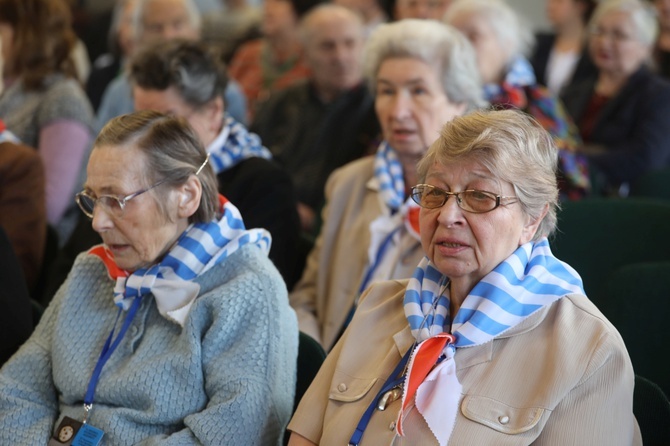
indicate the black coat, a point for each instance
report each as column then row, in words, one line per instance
column 633, row 126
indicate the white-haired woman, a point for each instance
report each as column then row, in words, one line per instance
column 175, row 330
column 624, row 112
column 492, row 341
column 423, row 74
column 501, row 41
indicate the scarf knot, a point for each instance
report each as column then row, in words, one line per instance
column 528, row 280
column 200, row 247
column 235, row 144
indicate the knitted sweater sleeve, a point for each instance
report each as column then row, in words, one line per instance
column 28, row 403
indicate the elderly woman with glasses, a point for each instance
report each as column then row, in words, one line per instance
column 176, row 329
column 492, row 341
column 623, row 112
column 423, row 74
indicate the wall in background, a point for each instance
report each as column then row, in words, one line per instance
column 532, row 11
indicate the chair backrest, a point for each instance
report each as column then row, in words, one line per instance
column 597, row 235
column 636, row 299
column 654, row 184
column 310, row 357
column 652, row 411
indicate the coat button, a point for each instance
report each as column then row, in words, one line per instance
column 342, row 387
column 392, row 425
column 503, row 419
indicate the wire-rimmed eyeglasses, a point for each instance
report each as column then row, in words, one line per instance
column 475, row 201
column 111, row 203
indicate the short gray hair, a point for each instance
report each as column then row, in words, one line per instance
column 511, row 30
column 514, row 147
column 173, row 152
column 438, row 45
column 642, row 16
column 138, row 15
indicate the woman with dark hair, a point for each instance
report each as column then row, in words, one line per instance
column 44, row 104
column 203, row 343
column 561, row 56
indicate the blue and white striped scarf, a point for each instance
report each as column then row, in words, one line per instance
column 200, row 247
column 234, row 144
column 529, row 279
column 519, row 74
column 388, row 172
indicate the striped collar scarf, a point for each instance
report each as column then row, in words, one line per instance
column 234, row 144
column 403, row 212
column 200, row 247
column 528, row 280
column 389, row 175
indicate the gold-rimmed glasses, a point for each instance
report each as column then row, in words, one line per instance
column 472, row 200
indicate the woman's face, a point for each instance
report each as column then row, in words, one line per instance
column 492, row 56
column 411, row 105
column 278, row 17
column 140, row 235
column 465, row 246
column 206, row 120
column 615, row 47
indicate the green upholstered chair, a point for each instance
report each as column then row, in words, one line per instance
column 597, row 235
column 654, row 184
column 636, row 299
column 310, row 357
column 652, row 411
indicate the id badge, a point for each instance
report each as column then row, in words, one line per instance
column 71, row 432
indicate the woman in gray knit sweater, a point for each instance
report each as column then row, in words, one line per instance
column 176, row 330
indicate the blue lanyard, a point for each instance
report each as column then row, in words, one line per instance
column 395, row 378
column 378, row 260
column 106, row 353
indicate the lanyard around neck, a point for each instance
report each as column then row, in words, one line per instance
column 396, row 378
column 107, row 350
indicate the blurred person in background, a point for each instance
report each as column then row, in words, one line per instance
column 120, row 44
column 561, row 57
column 623, row 112
column 276, row 60
column 154, row 21
column 501, row 42
column 423, row 74
column 322, row 123
column 43, row 103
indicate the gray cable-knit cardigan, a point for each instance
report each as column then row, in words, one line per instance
column 227, row 377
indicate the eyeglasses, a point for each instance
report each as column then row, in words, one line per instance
column 616, row 34
column 475, row 201
column 112, row 204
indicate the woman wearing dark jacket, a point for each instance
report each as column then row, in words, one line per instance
column 623, row 112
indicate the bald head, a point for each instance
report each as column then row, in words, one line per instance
column 333, row 39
